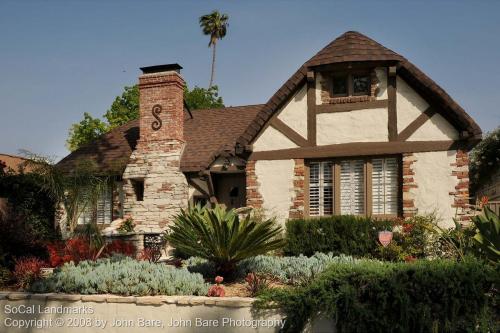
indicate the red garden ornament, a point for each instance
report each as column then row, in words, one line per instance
column 385, row 237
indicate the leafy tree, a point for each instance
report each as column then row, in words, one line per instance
column 485, row 159
column 85, row 131
column 214, row 25
column 125, row 108
column 201, row 98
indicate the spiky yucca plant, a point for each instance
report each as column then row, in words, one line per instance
column 220, row 236
column 487, row 236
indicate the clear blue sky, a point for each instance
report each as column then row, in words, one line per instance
column 59, row 59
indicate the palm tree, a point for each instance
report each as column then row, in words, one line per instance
column 214, row 25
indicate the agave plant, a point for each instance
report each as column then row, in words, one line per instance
column 487, row 236
column 220, row 236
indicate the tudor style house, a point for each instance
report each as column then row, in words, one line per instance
column 357, row 129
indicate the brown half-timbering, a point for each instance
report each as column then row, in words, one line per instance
column 311, row 108
column 358, row 149
column 329, row 108
column 392, row 122
column 211, row 189
column 198, row 188
column 367, row 169
column 289, row 132
column 414, row 125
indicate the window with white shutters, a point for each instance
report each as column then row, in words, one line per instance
column 385, row 186
column 320, row 188
column 352, row 191
column 103, row 209
column 344, row 187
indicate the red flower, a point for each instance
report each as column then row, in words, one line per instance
column 216, row 291
column 219, row 279
column 410, row 258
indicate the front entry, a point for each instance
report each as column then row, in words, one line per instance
column 230, row 189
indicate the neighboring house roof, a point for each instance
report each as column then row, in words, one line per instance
column 207, row 133
column 12, row 162
column 353, row 46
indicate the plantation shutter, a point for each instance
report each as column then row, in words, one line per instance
column 320, row 189
column 385, row 185
column 352, row 191
column 104, row 206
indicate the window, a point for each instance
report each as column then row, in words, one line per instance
column 102, row 212
column 385, row 186
column 351, row 84
column 340, row 85
column 359, row 186
column 352, row 191
column 138, row 185
column 321, row 188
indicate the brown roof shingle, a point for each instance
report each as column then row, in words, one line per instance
column 207, row 133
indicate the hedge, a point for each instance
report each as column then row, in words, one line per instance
column 340, row 234
column 371, row 296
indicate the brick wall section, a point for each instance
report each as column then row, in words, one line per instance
column 254, row 198
column 409, row 183
column 297, row 207
column 460, row 169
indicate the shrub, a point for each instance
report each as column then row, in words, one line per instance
column 291, row 270
column 18, row 239
column 370, row 296
column 5, row 276
column 27, row 270
column 219, row 236
column 127, row 225
column 78, row 249
column 341, row 234
column 487, row 237
column 256, row 283
column 122, row 276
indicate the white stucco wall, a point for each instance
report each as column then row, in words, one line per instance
column 436, row 128
column 276, row 186
column 435, row 182
column 272, row 139
column 409, row 104
column 356, row 126
column 294, row 113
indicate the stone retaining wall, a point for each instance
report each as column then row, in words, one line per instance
column 67, row 313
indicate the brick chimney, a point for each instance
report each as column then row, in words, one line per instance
column 161, row 103
column 155, row 188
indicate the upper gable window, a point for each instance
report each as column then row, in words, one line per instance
column 360, row 84
column 340, row 84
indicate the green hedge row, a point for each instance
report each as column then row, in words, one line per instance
column 340, row 234
column 371, row 296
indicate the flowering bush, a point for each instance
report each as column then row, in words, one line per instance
column 119, row 246
column 27, row 270
column 217, row 290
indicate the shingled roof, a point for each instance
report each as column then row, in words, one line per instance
column 353, row 46
column 207, row 133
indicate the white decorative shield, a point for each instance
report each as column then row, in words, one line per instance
column 385, row 237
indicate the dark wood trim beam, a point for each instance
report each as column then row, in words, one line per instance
column 211, row 189
column 416, row 124
column 358, row 149
column 329, row 108
column 197, row 187
column 287, row 131
column 311, row 108
column 392, row 116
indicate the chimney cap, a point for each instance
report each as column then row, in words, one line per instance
column 161, row 68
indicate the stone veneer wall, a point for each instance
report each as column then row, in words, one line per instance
column 254, row 198
column 298, row 200
column 165, row 186
column 460, row 170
